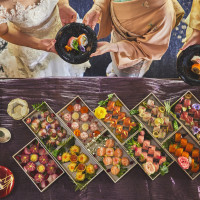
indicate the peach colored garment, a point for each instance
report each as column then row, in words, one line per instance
column 142, row 28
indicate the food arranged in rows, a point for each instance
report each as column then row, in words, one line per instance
column 187, row 110
column 155, row 117
column 150, row 156
column 47, row 127
column 81, row 121
column 77, row 162
column 77, row 43
column 111, row 156
column 116, row 116
column 185, row 151
column 38, row 165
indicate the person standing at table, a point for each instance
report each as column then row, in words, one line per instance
column 193, row 30
column 30, row 28
column 140, row 32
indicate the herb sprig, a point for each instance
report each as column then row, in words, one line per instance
column 40, row 107
column 105, row 102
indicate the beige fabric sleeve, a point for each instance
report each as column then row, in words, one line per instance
column 195, row 15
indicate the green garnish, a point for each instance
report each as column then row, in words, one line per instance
column 75, row 44
column 167, row 107
column 175, row 125
column 122, row 171
column 105, row 102
column 2, row 134
column 134, row 112
column 164, row 168
column 144, row 103
column 40, row 106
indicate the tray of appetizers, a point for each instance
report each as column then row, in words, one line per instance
column 156, row 118
column 81, row 121
column 149, row 154
column 77, row 163
column 38, row 165
column 185, row 151
column 111, row 156
column 46, row 126
column 115, row 115
column 187, row 111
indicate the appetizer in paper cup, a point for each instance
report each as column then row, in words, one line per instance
column 5, row 135
column 75, row 43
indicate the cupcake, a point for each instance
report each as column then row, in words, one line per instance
column 41, row 168
column 67, row 117
column 75, row 116
column 84, row 136
column 85, row 126
column 75, row 125
column 77, row 107
column 93, row 127
column 84, row 117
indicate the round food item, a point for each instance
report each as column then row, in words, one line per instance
column 84, row 117
column 81, row 167
column 84, row 136
column 93, row 126
column 77, row 107
column 74, row 158
column 178, row 152
column 72, row 167
column 5, row 135
column 85, row 126
column 25, row 158
column 34, row 157
column 44, row 159
column 30, row 167
column 82, row 40
column 51, row 169
column 39, row 177
column 118, row 153
column 41, row 168
column 142, row 132
column 183, row 142
column 75, row 116
column 109, row 151
column 42, row 152
column 125, row 161
column 184, row 162
column 110, row 143
column 52, row 163
column 74, row 149
column 77, row 132
column 80, row 176
column 107, row 161
column 149, row 168
column 115, row 170
column 67, row 117
column 101, row 151
column 66, row 157
column 84, row 109
column 189, row 147
column 75, row 125
column 195, row 153
column 178, row 137
column 42, row 132
column 82, row 158
column 50, row 119
column 172, row 148
column 34, row 149
column 116, row 161
column 90, row 169
column 185, row 154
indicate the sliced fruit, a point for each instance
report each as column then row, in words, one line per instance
column 50, row 119
column 183, row 162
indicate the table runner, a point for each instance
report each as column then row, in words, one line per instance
column 57, row 93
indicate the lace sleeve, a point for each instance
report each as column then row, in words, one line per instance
column 3, row 20
column 3, row 15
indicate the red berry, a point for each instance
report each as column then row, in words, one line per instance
column 59, row 157
column 28, row 120
column 96, row 167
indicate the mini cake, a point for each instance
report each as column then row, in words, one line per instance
column 75, row 116
column 84, row 136
column 93, row 127
column 67, row 117
column 75, row 125
column 85, row 127
column 84, row 117
column 77, row 107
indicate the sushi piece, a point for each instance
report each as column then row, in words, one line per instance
column 156, row 165
column 146, row 144
column 178, row 152
column 121, row 116
column 197, row 115
column 189, row 121
column 184, row 116
column 166, row 121
column 170, row 126
column 192, row 111
column 195, row 153
column 183, row 142
column 140, row 139
column 118, row 153
column 152, row 149
column 127, row 121
column 172, row 148
column 113, row 123
column 107, row 161
column 111, row 105
column 156, row 129
column 110, row 143
column 115, row 170
column 109, row 151
column 187, row 103
column 143, row 156
column 151, row 122
column 125, row 161
column 196, row 59
column 146, row 116
column 119, row 129
column 157, row 154
column 116, row 161
column 73, row 43
column 116, row 110
column 178, row 108
column 101, row 151
column 138, row 151
column 196, row 69
column 108, row 117
column 189, row 147
column 185, row 154
column 124, row 134
column 150, row 103
column 149, row 159
column 154, row 111
column 162, row 133
column 141, row 109
column 160, row 114
column 178, row 137
column 133, row 124
column 162, row 160
column 82, row 40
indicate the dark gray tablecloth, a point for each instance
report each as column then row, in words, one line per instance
column 58, row 92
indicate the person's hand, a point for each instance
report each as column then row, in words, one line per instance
column 104, row 47
column 67, row 14
column 194, row 39
column 47, row 45
column 92, row 16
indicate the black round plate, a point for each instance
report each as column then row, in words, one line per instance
column 75, row 29
column 184, row 65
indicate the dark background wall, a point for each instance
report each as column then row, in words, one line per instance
column 166, row 68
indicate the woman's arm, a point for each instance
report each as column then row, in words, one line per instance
column 14, row 36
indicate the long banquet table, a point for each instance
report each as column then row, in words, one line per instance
column 57, row 93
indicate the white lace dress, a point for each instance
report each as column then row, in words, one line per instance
column 41, row 21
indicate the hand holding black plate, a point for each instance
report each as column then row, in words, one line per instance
column 184, row 65
column 74, row 56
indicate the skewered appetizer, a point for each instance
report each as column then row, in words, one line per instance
column 81, row 121
column 78, row 44
column 112, row 157
column 187, row 154
column 77, row 162
column 113, row 114
column 48, row 129
column 155, row 116
column 150, row 157
column 38, row 164
column 189, row 114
